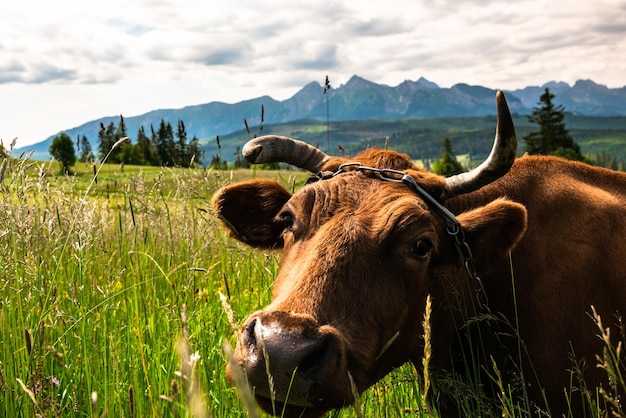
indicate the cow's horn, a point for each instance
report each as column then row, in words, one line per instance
column 273, row 148
column 497, row 164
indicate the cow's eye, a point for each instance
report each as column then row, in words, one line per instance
column 288, row 220
column 421, row 248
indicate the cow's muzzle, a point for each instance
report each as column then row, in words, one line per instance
column 290, row 359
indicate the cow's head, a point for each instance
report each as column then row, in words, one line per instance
column 359, row 255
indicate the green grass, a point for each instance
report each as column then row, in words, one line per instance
column 108, row 290
column 94, row 286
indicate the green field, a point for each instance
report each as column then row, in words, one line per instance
column 111, row 296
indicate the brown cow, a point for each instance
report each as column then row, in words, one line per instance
column 361, row 254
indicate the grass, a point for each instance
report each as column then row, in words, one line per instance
column 110, row 297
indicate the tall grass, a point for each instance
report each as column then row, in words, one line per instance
column 110, row 306
column 110, row 299
column 93, row 294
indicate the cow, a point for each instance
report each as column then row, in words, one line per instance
column 519, row 251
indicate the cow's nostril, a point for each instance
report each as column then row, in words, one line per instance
column 319, row 356
column 249, row 336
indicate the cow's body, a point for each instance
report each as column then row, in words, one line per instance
column 361, row 255
column 570, row 258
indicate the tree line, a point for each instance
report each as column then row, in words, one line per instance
column 162, row 147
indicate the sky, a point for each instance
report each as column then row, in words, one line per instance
column 67, row 62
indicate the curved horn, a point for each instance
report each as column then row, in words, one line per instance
column 497, row 164
column 274, row 148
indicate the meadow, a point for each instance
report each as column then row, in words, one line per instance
column 110, row 295
column 119, row 296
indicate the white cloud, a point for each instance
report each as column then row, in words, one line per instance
column 70, row 61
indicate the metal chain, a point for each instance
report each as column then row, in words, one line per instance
column 465, row 255
column 453, row 228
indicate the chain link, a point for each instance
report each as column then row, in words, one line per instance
column 465, row 255
column 454, row 229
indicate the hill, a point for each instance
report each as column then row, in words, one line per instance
column 422, row 138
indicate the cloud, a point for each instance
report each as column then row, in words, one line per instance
column 11, row 71
column 115, row 43
column 376, row 27
column 316, row 56
column 165, row 53
column 45, row 72
column 187, row 47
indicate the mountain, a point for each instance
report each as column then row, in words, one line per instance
column 583, row 98
column 358, row 99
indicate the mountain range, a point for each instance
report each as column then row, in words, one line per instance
column 358, row 99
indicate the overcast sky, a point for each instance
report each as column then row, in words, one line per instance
column 66, row 62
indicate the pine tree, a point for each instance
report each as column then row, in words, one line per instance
column 106, row 139
column 447, row 165
column 144, row 148
column 193, row 152
column 182, row 158
column 118, row 154
column 86, row 153
column 165, row 147
column 552, row 138
column 154, row 142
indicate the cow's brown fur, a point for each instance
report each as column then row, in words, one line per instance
column 349, row 273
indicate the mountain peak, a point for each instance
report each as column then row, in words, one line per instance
column 311, row 87
column 556, row 86
column 426, row 83
column 358, row 82
column 588, row 84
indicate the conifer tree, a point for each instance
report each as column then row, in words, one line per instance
column 86, row 153
column 182, row 158
column 118, row 154
column 552, row 138
column 144, row 148
column 154, row 141
column 106, row 139
column 193, row 152
column 165, row 143
column 447, row 165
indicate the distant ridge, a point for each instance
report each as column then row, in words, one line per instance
column 359, row 99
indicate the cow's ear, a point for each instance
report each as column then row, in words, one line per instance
column 248, row 209
column 493, row 230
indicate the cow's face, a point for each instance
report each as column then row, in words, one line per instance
column 348, row 301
